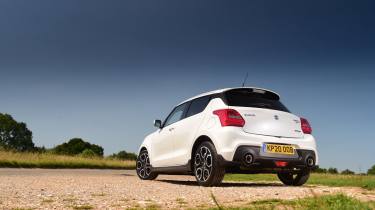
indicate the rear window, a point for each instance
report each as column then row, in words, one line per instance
column 254, row 98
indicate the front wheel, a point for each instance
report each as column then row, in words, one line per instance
column 207, row 169
column 291, row 179
column 144, row 170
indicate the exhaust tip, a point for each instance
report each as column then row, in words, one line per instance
column 310, row 162
column 248, row 159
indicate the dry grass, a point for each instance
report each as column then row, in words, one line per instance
column 48, row 160
column 82, row 207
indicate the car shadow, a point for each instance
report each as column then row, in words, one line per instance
column 224, row 184
column 127, row 174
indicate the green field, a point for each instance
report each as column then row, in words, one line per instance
column 49, row 160
column 337, row 180
column 327, row 202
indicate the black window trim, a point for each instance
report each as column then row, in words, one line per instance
column 191, row 101
column 183, row 114
column 211, row 96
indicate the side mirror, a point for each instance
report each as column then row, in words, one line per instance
column 157, row 123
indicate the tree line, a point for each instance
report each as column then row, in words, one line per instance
column 332, row 170
column 15, row 136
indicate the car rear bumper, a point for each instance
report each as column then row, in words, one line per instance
column 262, row 163
column 228, row 140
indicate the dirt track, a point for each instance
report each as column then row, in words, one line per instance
column 119, row 189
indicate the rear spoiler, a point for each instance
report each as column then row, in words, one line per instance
column 267, row 93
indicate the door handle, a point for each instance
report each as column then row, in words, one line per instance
column 171, row 129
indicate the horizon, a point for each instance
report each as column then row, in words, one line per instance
column 103, row 72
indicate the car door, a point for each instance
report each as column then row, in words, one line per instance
column 163, row 141
column 185, row 131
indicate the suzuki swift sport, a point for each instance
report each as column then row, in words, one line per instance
column 235, row 130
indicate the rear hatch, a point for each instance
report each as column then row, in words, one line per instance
column 263, row 113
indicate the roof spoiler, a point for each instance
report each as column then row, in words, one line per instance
column 267, row 93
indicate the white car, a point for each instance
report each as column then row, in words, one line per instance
column 233, row 130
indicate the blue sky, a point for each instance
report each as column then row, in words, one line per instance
column 104, row 70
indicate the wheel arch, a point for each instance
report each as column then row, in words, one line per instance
column 197, row 142
column 142, row 148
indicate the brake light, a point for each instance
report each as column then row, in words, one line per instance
column 229, row 117
column 305, row 126
column 281, row 163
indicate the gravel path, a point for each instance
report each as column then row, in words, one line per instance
column 119, row 189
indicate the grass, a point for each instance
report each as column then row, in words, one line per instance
column 82, row 207
column 22, row 209
column 336, row 180
column 47, row 201
column 153, row 206
column 215, row 201
column 71, row 199
column 98, row 194
column 327, row 202
column 48, row 160
column 181, row 201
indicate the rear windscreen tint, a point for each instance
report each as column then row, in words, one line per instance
column 249, row 98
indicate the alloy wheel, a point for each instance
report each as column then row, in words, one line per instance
column 203, row 164
column 143, row 165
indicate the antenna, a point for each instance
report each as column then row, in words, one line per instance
column 244, row 81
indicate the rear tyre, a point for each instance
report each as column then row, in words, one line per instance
column 207, row 168
column 144, row 170
column 291, row 179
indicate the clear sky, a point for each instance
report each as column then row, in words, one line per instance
column 104, row 70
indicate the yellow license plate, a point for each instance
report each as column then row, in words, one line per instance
column 279, row 149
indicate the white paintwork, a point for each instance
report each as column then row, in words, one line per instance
column 172, row 145
column 262, row 121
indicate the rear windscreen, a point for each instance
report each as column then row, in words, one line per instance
column 254, row 98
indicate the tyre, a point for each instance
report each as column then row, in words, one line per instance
column 207, row 168
column 291, row 179
column 144, row 170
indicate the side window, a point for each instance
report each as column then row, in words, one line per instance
column 176, row 115
column 198, row 105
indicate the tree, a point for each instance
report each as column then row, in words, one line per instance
column 371, row 171
column 333, row 171
column 76, row 146
column 320, row 170
column 39, row 149
column 88, row 153
column 15, row 135
column 123, row 155
column 347, row 172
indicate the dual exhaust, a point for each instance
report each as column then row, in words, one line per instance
column 248, row 160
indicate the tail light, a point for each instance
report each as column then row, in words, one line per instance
column 305, row 126
column 230, row 117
